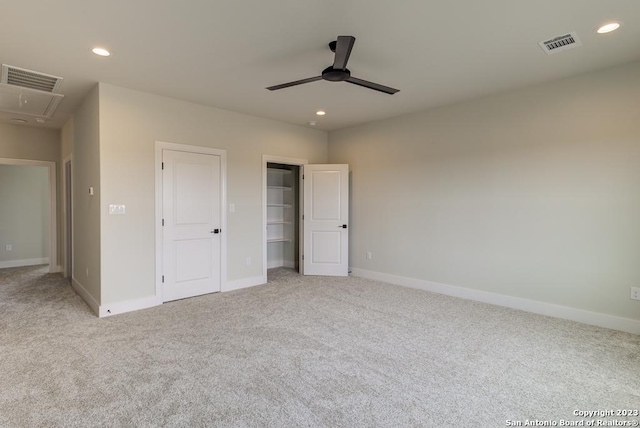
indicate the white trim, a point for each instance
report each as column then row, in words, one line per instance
column 286, row 161
column 86, row 296
column 128, row 306
column 24, row 262
column 159, row 146
column 549, row 309
column 53, row 227
column 67, row 160
column 244, row 283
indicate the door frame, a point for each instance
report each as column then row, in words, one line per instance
column 53, row 227
column 286, row 161
column 67, row 216
column 159, row 147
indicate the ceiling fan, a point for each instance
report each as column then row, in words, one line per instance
column 338, row 72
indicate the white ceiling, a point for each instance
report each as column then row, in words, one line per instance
column 223, row 53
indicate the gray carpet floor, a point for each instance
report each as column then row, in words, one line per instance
column 300, row 351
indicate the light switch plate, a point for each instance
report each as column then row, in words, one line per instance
column 116, row 209
column 8, row 247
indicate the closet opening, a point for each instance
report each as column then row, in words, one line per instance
column 283, row 216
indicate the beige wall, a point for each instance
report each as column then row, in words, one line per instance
column 86, row 173
column 24, row 212
column 66, row 139
column 23, row 142
column 130, row 124
column 532, row 193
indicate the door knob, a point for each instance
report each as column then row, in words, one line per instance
column 216, row 231
column 344, row 226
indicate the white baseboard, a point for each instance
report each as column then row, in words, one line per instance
column 24, row 262
column 88, row 298
column 244, row 283
column 281, row 263
column 116, row 308
column 149, row 302
column 128, row 306
column 549, row 309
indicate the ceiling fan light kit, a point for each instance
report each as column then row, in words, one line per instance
column 338, row 72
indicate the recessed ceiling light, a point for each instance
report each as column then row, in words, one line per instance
column 607, row 28
column 320, row 113
column 101, row 51
column 313, row 123
column 20, row 121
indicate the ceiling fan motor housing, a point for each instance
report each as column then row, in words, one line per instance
column 335, row 75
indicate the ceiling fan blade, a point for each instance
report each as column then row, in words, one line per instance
column 297, row 82
column 343, row 51
column 371, row 85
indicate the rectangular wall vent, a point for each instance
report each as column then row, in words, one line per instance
column 560, row 43
column 30, row 79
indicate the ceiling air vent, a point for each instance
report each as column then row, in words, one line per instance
column 560, row 43
column 26, row 92
column 30, row 79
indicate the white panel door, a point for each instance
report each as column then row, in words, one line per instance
column 326, row 215
column 191, row 210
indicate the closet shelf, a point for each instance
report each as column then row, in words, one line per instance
column 282, row 203
column 278, row 170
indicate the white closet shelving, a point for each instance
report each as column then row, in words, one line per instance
column 280, row 216
column 283, row 213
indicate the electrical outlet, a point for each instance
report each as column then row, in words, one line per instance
column 369, row 255
column 635, row 293
column 8, row 247
column 248, row 261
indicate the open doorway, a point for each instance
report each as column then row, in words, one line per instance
column 28, row 216
column 282, row 199
column 283, row 211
